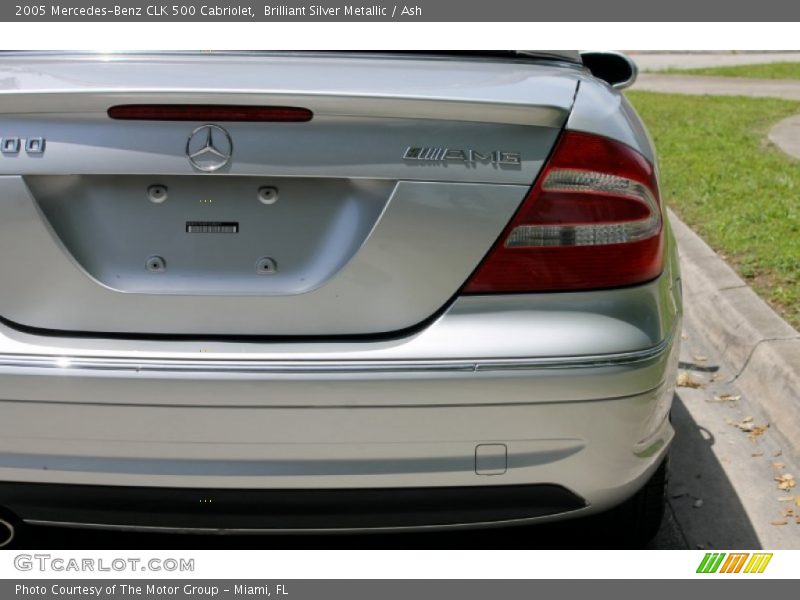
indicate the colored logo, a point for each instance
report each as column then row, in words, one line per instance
column 735, row 562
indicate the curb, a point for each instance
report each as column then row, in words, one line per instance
column 762, row 350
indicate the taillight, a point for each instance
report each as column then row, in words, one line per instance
column 592, row 220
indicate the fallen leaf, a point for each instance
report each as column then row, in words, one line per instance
column 757, row 454
column 727, row 398
column 698, row 503
column 797, row 501
column 700, row 358
column 777, row 465
column 685, row 380
column 785, row 482
column 786, row 499
column 749, row 427
column 752, row 430
column 778, row 522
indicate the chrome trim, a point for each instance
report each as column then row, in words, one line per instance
column 564, row 57
column 200, row 365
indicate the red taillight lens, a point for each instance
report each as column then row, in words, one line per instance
column 209, row 112
column 592, row 220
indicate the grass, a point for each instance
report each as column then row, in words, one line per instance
column 787, row 70
column 741, row 194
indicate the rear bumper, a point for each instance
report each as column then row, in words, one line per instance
column 405, row 433
column 400, row 454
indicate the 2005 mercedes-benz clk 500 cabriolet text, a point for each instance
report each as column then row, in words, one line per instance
column 330, row 292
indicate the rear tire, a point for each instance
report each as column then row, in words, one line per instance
column 637, row 521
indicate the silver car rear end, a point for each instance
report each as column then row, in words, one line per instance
column 356, row 371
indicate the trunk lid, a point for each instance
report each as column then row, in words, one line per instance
column 367, row 219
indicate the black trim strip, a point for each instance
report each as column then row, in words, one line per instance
column 283, row 509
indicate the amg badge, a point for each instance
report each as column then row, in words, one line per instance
column 431, row 154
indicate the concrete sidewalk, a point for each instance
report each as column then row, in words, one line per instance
column 695, row 85
column 786, row 136
column 659, row 61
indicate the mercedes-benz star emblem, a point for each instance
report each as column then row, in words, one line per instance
column 209, row 148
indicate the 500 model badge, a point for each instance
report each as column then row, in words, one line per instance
column 431, row 154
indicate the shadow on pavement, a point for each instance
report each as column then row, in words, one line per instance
column 697, row 477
